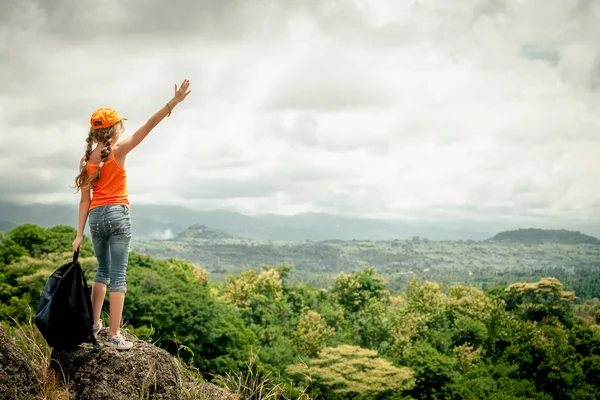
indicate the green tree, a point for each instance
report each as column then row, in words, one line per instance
column 591, row 366
column 585, row 340
column 539, row 300
column 466, row 357
column 10, row 251
column 168, row 298
column 408, row 326
column 427, row 299
column 434, row 373
column 31, row 237
column 469, row 331
column 35, row 241
column 373, row 325
column 346, row 371
column 354, row 291
column 544, row 356
column 312, row 334
column 240, row 290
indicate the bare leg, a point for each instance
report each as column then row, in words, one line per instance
column 98, row 293
column 117, row 299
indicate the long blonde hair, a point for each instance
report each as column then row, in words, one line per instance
column 106, row 135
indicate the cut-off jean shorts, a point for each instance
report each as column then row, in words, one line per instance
column 110, row 228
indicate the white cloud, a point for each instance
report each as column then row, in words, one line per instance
column 432, row 109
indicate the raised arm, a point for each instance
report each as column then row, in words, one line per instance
column 125, row 146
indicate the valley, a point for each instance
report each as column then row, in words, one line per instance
column 507, row 257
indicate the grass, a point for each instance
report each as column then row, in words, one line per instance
column 32, row 343
column 246, row 385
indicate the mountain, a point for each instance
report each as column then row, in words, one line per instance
column 539, row 236
column 163, row 222
column 166, row 222
column 203, row 232
column 6, row 226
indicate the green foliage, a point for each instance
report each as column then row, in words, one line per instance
column 466, row 357
column 373, row 326
column 469, row 331
column 435, row 340
column 350, row 371
column 591, row 366
column 481, row 264
column 32, row 240
column 312, row 334
column 249, row 385
column 532, row 235
column 10, row 251
column 540, row 300
column 585, row 339
column 434, row 372
column 30, row 237
column 354, row 291
column 242, row 290
column 180, row 310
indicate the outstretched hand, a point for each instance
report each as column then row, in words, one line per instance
column 182, row 92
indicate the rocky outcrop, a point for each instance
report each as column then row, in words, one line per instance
column 214, row 392
column 144, row 372
column 17, row 374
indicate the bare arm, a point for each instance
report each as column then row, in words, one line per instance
column 84, row 205
column 124, row 147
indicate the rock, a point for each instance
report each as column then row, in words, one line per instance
column 17, row 374
column 214, row 392
column 144, row 372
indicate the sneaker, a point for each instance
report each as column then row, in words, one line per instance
column 97, row 329
column 118, row 342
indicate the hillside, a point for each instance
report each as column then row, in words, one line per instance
column 318, row 262
column 261, row 336
column 539, row 236
column 203, row 232
column 159, row 222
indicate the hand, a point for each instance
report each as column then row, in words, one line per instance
column 77, row 243
column 182, row 92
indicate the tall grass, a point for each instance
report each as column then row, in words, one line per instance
column 248, row 385
column 33, row 344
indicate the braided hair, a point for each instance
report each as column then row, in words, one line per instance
column 105, row 135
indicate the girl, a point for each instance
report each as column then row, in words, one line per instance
column 104, row 197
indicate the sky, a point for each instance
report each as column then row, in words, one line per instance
column 419, row 110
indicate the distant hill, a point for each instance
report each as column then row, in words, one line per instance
column 203, row 232
column 539, row 236
column 6, row 226
column 317, row 262
column 164, row 222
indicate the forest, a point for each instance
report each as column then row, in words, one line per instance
column 357, row 338
column 508, row 257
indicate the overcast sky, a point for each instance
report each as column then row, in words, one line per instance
column 425, row 109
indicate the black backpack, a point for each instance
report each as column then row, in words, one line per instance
column 64, row 315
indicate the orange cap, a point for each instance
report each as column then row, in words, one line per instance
column 104, row 117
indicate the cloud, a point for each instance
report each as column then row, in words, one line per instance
column 480, row 109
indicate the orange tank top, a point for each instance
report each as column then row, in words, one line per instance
column 111, row 188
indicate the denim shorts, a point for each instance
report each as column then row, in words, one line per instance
column 110, row 228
